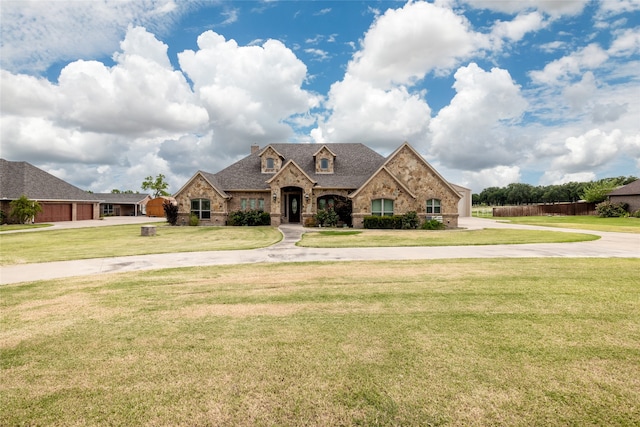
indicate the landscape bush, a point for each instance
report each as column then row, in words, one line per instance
column 636, row 214
column 607, row 209
column 410, row 221
column 194, row 221
column 433, row 224
column 326, row 218
column 171, row 212
column 249, row 218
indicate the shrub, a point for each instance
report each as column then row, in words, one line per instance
column 170, row 212
column 636, row 214
column 410, row 221
column 194, row 220
column 607, row 209
column 433, row 224
column 387, row 222
column 327, row 218
column 24, row 209
column 249, row 218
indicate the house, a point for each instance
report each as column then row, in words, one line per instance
column 60, row 200
column 294, row 181
column 629, row 194
column 123, row 204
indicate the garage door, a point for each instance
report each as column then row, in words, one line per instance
column 84, row 211
column 52, row 212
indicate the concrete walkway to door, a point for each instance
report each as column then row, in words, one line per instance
column 610, row 245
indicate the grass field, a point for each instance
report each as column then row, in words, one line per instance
column 397, row 238
column 123, row 240
column 621, row 225
column 459, row 342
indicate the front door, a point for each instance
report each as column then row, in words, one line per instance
column 294, row 208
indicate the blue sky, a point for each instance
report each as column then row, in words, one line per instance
column 103, row 94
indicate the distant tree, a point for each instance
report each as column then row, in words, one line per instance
column 157, row 184
column 116, row 191
column 596, row 192
column 24, row 209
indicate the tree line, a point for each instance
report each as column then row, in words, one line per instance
column 524, row 194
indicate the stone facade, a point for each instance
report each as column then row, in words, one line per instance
column 290, row 193
column 200, row 188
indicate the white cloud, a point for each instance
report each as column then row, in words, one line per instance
column 381, row 118
column 554, row 8
column 588, row 152
column 474, row 132
column 403, row 45
column 249, row 91
column 36, row 34
column 516, row 29
column 498, row 176
column 626, row 43
column 558, row 71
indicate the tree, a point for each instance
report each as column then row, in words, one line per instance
column 596, row 192
column 158, row 185
column 24, row 209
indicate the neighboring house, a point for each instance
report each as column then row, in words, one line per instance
column 60, row 200
column 123, row 204
column 464, row 205
column 629, row 194
column 294, row 181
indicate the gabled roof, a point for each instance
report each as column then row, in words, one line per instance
column 291, row 164
column 354, row 164
column 324, row 147
column 422, row 159
column 122, row 198
column 379, row 171
column 631, row 189
column 270, row 147
column 210, row 178
column 22, row 178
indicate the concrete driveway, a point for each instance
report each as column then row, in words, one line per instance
column 610, row 245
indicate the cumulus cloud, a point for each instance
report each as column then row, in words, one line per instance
column 558, row 71
column 474, row 131
column 491, row 177
column 404, row 44
column 554, row 8
column 248, row 91
column 36, row 34
column 381, row 118
column 516, row 29
column 588, row 152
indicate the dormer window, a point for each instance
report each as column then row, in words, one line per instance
column 270, row 160
column 325, row 160
column 271, row 163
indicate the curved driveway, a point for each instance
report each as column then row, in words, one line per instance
column 610, row 245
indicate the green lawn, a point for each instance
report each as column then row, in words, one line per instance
column 122, row 240
column 517, row 342
column 390, row 238
column 15, row 227
column 621, row 225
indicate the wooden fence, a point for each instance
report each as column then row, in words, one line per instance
column 580, row 208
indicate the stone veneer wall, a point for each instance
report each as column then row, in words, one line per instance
column 383, row 186
column 291, row 177
column 199, row 188
column 422, row 182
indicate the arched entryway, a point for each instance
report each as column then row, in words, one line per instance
column 292, row 204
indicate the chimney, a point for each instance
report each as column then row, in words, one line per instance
column 255, row 148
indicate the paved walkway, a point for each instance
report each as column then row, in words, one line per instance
column 610, row 245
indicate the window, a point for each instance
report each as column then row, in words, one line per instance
column 107, row 209
column 324, row 164
column 271, row 163
column 381, row 207
column 261, row 205
column 201, row 208
column 252, row 204
column 433, row 206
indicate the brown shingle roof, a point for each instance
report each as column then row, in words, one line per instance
column 631, row 189
column 353, row 165
column 22, row 178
